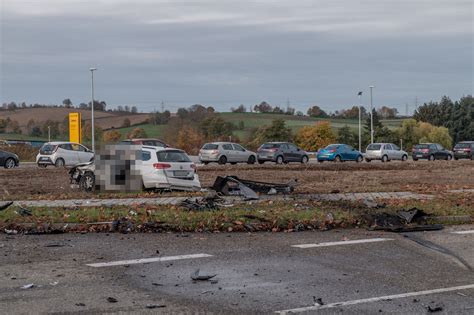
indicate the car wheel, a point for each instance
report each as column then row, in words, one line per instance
column 320, row 161
column 222, row 160
column 359, row 159
column 279, row 159
column 337, row 159
column 449, row 157
column 260, row 162
column 384, row 158
column 431, row 158
column 304, row 159
column 87, row 182
column 233, row 163
column 59, row 163
column 455, row 158
column 251, row 160
column 368, row 160
column 205, row 163
column 415, row 159
column 404, row 158
column 10, row 163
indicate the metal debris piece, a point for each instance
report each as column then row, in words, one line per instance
column 234, row 186
column 197, row 276
column 209, row 202
column 4, row 205
column 153, row 306
column 28, row 286
column 434, row 308
column 24, row 212
column 411, row 220
column 112, row 300
column 372, row 204
column 10, row 232
column 123, row 225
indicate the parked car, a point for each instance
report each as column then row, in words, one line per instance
column 223, row 152
column 464, row 150
column 384, row 152
column 339, row 153
column 8, row 159
column 160, row 168
column 281, row 152
column 62, row 154
column 431, row 151
column 146, row 141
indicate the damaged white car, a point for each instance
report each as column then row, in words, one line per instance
column 158, row 168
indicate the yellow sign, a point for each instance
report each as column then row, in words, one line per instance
column 75, row 133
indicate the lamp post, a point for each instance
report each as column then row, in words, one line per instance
column 371, row 117
column 92, row 107
column 49, row 133
column 360, row 128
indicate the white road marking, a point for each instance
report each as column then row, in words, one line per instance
column 367, row 240
column 464, row 232
column 148, row 260
column 375, row 299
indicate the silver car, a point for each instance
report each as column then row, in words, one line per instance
column 384, row 152
column 62, row 154
column 226, row 152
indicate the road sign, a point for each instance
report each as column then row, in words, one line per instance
column 75, row 132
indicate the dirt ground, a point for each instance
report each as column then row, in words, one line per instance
column 423, row 177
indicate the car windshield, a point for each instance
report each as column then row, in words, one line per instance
column 421, row 146
column 332, row 147
column 48, row 147
column 462, row 145
column 270, row 145
column 172, row 156
column 210, row 146
column 373, row 147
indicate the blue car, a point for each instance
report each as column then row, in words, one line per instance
column 339, row 153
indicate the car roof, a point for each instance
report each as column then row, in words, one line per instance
column 61, row 142
column 162, row 149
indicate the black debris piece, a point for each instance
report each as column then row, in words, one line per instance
column 24, row 212
column 411, row 220
column 434, row 308
column 153, row 306
column 4, row 205
column 80, row 304
column 123, row 225
column 54, row 245
column 234, row 186
column 318, row 301
column 112, row 300
column 198, row 276
column 209, row 202
column 372, row 204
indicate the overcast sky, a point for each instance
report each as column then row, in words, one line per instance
column 224, row 53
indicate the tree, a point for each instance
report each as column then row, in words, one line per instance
column 216, row 128
column 278, row 110
column 160, row 118
column 134, row 110
column 137, row 133
column 381, row 133
column 111, row 136
column 126, row 123
column 67, row 103
column 413, row 132
column 263, row 107
column 316, row 111
column 387, row 112
column 87, row 132
column 240, row 109
column 189, row 140
column 313, row 138
column 277, row 131
column 346, row 136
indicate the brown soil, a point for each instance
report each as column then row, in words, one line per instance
column 423, row 177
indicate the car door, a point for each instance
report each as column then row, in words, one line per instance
column 293, row 153
column 285, row 150
column 240, row 152
column 389, row 151
column 69, row 155
column 440, row 152
column 396, row 152
column 2, row 158
column 146, row 167
column 228, row 151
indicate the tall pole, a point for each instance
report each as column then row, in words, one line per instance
column 371, row 117
column 49, row 133
column 360, row 128
column 92, row 107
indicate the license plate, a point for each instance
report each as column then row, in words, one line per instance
column 44, row 159
column 181, row 173
column 419, row 155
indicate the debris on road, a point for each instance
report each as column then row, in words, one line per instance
column 153, row 306
column 10, row 232
column 372, row 204
column 209, row 202
column 24, row 212
column 112, row 300
column 234, row 186
column 434, row 308
column 403, row 221
column 5, row 205
column 123, row 225
column 198, row 276
column 318, row 301
column 28, row 286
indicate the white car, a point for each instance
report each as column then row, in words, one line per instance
column 384, row 152
column 62, row 154
column 166, row 168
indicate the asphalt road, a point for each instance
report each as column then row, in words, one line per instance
column 255, row 273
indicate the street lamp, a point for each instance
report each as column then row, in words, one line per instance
column 371, row 117
column 360, row 128
column 92, row 107
column 49, row 133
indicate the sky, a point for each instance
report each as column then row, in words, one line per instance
column 225, row 53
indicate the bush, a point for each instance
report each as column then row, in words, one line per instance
column 312, row 138
column 137, row 133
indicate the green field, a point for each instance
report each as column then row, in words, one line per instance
column 152, row 131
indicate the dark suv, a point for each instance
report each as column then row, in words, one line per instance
column 431, row 151
column 281, row 152
column 464, row 150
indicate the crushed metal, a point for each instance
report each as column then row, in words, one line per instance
column 403, row 221
column 235, row 186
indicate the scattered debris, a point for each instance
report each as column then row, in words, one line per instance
column 372, row 204
column 318, row 301
column 10, row 232
column 123, row 225
column 197, row 276
column 434, row 308
column 403, row 221
column 24, row 212
column 80, row 304
column 54, row 283
column 54, row 245
column 28, row 286
column 209, row 202
column 234, row 186
column 5, row 205
column 112, row 300
column 152, row 306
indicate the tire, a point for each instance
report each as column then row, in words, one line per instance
column 455, row 158
column 261, row 162
column 320, row 161
column 359, row 159
column 404, row 158
column 337, row 159
column 87, row 182
column 251, row 160
column 222, row 160
column 450, row 157
column 10, row 163
column 233, row 163
column 304, row 159
column 59, row 163
column 368, row 160
column 279, row 160
column 384, row 158
column 431, row 157
column 415, row 159
column 205, row 163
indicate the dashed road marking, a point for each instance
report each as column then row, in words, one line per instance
column 374, row 299
column 368, row 240
column 147, row 260
column 464, row 232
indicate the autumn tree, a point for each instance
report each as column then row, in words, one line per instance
column 137, row 133
column 189, row 140
column 87, row 132
column 312, row 138
column 126, row 123
column 316, row 111
column 111, row 136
